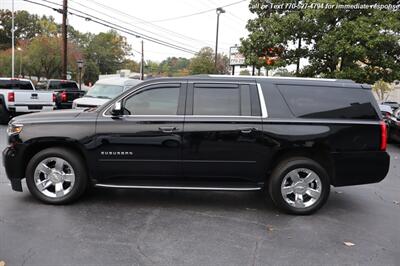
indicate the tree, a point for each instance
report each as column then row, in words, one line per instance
column 132, row 65
column 382, row 89
column 107, row 50
column 27, row 26
column 173, row 66
column 43, row 57
column 203, row 63
column 359, row 44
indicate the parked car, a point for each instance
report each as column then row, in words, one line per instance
column 18, row 96
column 66, row 92
column 103, row 91
column 393, row 105
column 295, row 137
column 392, row 122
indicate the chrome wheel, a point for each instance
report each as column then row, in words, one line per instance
column 54, row 177
column 301, row 188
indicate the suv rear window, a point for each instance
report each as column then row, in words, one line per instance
column 329, row 102
column 15, row 85
column 63, row 85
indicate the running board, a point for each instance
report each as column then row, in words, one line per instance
column 179, row 187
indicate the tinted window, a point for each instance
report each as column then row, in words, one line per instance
column 15, row 85
column 216, row 101
column 62, row 85
column 329, row 102
column 158, row 101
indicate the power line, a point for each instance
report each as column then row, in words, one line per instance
column 114, row 26
column 197, row 13
column 125, row 22
column 150, row 23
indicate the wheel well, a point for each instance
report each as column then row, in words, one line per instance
column 37, row 147
column 321, row 156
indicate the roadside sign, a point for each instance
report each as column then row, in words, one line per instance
column 235, row 57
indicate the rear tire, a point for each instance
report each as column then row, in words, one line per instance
column 299, row 186
column 56, row 176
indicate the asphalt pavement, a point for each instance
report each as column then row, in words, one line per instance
column 137, row 227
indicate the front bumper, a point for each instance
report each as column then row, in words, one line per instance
column 13, row 162
column 357, row 168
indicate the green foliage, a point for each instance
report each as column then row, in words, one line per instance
column 362, row 45
column 173, row 66
column 204, row 63
column 27, row 26
column 382, row 89
column 107, row 50
column 244, row 72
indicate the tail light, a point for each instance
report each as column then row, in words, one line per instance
column 54, row 97
column 383, row 136
column 11, row 97
column 64, row 97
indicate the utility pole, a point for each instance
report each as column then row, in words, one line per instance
column 219, row 11
column 64, row 40
column 142, row 64
column 12, row 40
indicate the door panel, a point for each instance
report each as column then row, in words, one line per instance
column 139, row 145
column 228, row 144
column 222, row 148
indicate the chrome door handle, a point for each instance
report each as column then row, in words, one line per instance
column 168, row 129
column 247, row 130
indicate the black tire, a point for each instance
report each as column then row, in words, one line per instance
column 4, row 114
column 278, row 175
column 74, row 159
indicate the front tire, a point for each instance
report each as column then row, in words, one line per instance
column 56, row 176
column 299, row 186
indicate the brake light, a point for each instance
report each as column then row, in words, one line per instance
column 63, row 96
column 54, row 97
column 11, row 97
column 383, row 136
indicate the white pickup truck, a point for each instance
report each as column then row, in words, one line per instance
column 19, row 96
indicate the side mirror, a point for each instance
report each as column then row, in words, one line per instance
column 117, row 109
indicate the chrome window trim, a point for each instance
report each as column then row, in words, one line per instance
column 264, row 111
column 179, row 116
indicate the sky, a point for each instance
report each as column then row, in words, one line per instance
column 155, row 18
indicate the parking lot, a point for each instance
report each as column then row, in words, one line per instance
column 132, row 227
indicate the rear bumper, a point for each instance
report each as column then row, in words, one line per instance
column 357, row 168
column 12, row 161
column 30, row 108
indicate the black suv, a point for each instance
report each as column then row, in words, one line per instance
column 294, row 137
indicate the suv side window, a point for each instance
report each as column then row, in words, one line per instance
column 155, row 101
column 329, row 102
column 221, row 99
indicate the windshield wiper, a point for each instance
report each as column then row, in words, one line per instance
column 88, row 96
column 103, row 97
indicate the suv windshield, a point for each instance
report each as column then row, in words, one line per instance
column 15, row 85
column 104, row 91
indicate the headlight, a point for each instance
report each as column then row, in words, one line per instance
column 14, row 129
